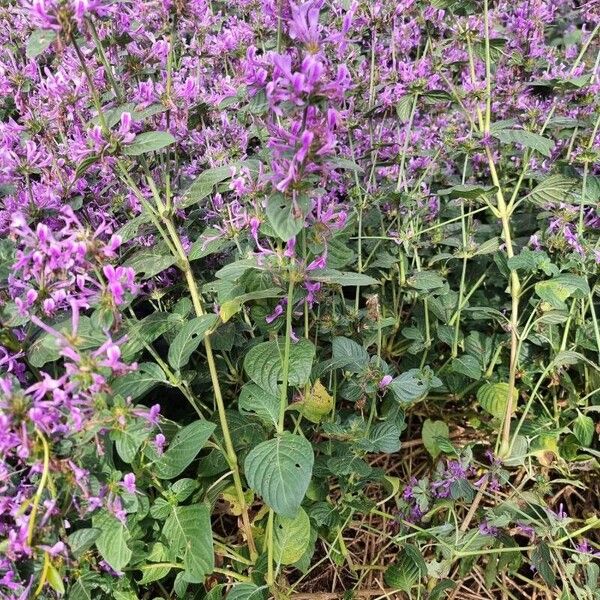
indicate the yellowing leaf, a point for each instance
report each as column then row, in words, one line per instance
column 230, row 496
column 316, row 404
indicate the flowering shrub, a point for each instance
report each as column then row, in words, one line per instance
column 299, row 296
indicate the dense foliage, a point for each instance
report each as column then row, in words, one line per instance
column 299, row 297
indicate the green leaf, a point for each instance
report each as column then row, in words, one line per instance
column 333, row 276
column 556, row 290
column 541, row 559
column 147, row 331
column 583, row 428
column 384, row 437
column 236, row 269
column 432, row 430
column 148, row 263
column 291, row 538
column 81, row 589
column 38, row 41
column 439, row 591
column 189, row 338
column 155, row 568
column 531, row 140
column 348, row 355
column 129, row 439
column 552, row 189
column 183, row 449
column 407, row 570
column 55, row 580
column 81, row 540
column 532, row 261
column 493, row 398
column 425, row 281
column 404, row 107
column 279, row 470
column 264, row 364
column 204, row 184
column 467, row 191
column 46, row 347
column 210, row 241
column 232, row 307
column 413, row 384
column 247, row 591
column 286, row 215
column 112, row 541
column 488, row 247
column 139, row 382
column 467, row 365
column 344, row 163
column 254, row 400
column 148, row 142
column 189, row 536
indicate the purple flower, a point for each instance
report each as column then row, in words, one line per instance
column 385, row 381
column 159, row 443
column 129, row 483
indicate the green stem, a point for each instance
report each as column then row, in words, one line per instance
column 40, row 489
column 104, row 61
column 286, row 354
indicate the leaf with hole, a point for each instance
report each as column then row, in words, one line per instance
column 253, row 400
column 291, row 537
column 189, row 338
column 279, row 470
column 314, row 405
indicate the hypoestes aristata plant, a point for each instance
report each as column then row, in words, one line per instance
column 299, row 296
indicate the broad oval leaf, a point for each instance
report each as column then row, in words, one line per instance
column 286, row 215
column 264, row 364
column 291, row 538
column 493, row 398
column 279, row 470
column 531, row 140
column 584, row 428
column 112, row 541
column 432, row 433
column 189, row 536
